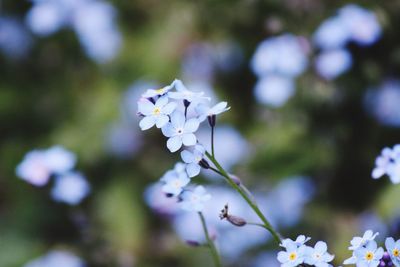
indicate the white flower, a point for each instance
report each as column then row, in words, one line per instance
column 158, row 92
column 318, row 256
column 293, row 256
column 192, row 160
column 174, row 182
column 180, row 131
column 194, row 200
column 183, row 93
column 358, row 242
column 70, row 188
column 205, row 111
column 155, row 114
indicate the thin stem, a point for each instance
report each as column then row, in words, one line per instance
column 256, row 224
column 212, row 141
column 246, row 197
column 211, row 244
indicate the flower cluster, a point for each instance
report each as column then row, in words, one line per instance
column 178, row 112
column 38, row 166
column 367, row 253
column 277, row 62
column 388, row 162
column 298, row 253
column 351, row 24
column 58, row 258
column 92, row 20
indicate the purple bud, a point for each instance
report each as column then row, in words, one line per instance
column 204, row 164
column 237, row 221
column 186, row 103
column 386, row 256
column 212, row 120
column 382, row 264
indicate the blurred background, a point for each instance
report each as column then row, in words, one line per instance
column 314, row 88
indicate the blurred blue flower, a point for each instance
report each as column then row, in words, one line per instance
column 174, row 182
column 57, row 258
column 38, row 165
column 159, row 202
column 192, row 159
column 194, row 199
column 92, row 20
column 15, row 40
column 284, row 55
column 70, row 188
column 274, row 90
column 332, row 63
column 284, row 211
column 333, row 33
column 123, row 139
column 383, row 103
column 362, row 24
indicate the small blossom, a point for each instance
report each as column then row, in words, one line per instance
column 393, row 248
column 293, row 256
column 388, row 163
column 358, row 242
column 60, row 160
column 158, row 92
column 318, row 256
column 332, row 63
column 174, row 182
column 369, row 255
column 182, row 93
column 192, row 160
column 155, row 114
column 205, row 111
column 194, row 200
column 300, row 241
column 180, row 131
column 70, row 188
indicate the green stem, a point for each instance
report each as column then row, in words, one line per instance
column 212, row 141
column 211, row 244
column 246, row 197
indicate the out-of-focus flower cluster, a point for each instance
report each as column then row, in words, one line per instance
column 178, row 113
column 388, row 163
column 15, row 40
column 277, row 61
column 38, row 166
column 57, row 258
column 352, row 23
column 92, row 20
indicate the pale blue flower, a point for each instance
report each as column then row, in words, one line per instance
column 300, row 241
column 283, row 55
column 158, row 92
column 194, row 200
column 57, row 258
column 274, row 90
column 205, row 111
column 38, row 165
column 362, row 23
column 293, row 256
column 159, row 202
column 70, row 188
column 384, row 162
column 155, row 114
column 358, row 242
column 174, row 182
column 332, row 63
column 15, row 41
column 393, row 248
column 192, row 160
column 123, row 139
column 180, row 131
column 182, row 93
column 383, row 103
column 332, row 34
column 368, row 256
column 318, row 256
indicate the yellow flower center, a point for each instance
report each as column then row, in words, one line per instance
column 157, row 111
column 160, row 91
column 369, row 256
column 396, row 252
column 292, row 256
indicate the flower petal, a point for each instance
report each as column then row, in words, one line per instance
column 162, row 101
column 174, row 143
column 168, row 130
column 189, row 139
column 187, row 156
column 145, row 106
column 191, row 126
column 161, row 121
column 193, row 169
column 169, row 108
column 147, row 122
column 178, row 119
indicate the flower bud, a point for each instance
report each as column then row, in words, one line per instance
column 212, row 120
column 204, row 164
column 235, row 179
column 186, row 103
column 235, row 220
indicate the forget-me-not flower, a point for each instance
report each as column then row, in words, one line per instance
column 192, row 159
column 393, row 248
column 274, row 90
column 332, row 63
column 158, row 92
column 70, row 188
column 318, row 256
column 293, row 256
column 182, row 93
column 180, row 131
column 205, row 111
column 194, row 200
column 155, row 114
column 369, row 256
column 174, row 182
column 358, row 242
